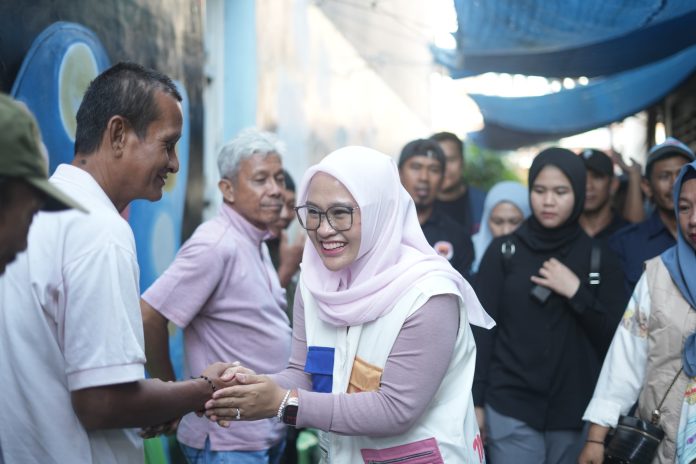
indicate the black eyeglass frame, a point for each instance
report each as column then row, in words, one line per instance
column 326, row 215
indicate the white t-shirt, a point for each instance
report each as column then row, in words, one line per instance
column 70, row 319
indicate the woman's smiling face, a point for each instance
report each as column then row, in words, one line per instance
column 337, row 249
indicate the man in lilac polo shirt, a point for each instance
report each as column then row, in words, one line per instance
column 223, row 291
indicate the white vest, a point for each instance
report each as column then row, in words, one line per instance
column 449, row 418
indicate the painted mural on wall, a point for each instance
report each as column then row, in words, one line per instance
column 60, row 64
column 163, row 34
column 62, row 61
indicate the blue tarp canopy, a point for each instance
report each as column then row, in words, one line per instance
column 636, row 52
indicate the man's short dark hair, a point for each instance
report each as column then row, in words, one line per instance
column 449, row 137
column 126, row 89
column 423, row 147
column 289, row 182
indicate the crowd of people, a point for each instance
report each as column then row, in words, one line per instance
column 420, row 320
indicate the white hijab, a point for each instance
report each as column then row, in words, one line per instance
column 393, row 252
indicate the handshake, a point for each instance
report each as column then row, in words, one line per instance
column 238, row 394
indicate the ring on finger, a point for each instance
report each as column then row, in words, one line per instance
column 239, row 414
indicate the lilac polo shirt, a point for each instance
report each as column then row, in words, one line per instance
column 223, row 291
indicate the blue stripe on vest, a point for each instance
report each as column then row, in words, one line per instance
column 320, row 362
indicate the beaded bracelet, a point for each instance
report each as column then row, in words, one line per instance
column 210, row 382
column 595, row 441
column 279, row 415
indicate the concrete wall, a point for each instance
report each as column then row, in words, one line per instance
column 319, row 92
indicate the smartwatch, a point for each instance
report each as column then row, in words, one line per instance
column 290, row 411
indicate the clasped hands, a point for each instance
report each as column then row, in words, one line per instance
column 238, row 392
column 247, row 396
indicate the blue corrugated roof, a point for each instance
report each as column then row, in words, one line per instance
column 583, row 108
column 636, row 47
column 496, row 26
column 599, row 58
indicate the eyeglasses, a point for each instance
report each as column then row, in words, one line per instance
column 340, row 217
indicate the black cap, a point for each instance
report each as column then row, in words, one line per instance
column 598, row 161
column 423, row 147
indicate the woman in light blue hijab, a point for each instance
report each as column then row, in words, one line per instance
column 680, row 261
column 506, row 206
column 652, row 359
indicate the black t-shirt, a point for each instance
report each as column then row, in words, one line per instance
column 541, row 361
column 458, row 210
column 617, row 222
column 450, row 240
column 274, row 251
column 465, row 210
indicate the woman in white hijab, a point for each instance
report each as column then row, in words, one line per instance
column 382, row 356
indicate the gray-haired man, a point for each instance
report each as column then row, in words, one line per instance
column 223, row 291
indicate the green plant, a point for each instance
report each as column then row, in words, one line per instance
column 484, row 168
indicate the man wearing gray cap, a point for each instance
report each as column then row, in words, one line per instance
column 637, row 243
column 24, row 186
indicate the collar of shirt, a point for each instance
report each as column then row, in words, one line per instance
column 655, row 226
column 94, row 198
column 244, row 227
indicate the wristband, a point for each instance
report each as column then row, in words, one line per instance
column 595, row 441
column 210, row 382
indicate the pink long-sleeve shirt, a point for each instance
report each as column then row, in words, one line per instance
column 412, row 375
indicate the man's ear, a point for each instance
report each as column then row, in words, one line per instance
column 116, row 131
column 227, row 189
column 646, row 188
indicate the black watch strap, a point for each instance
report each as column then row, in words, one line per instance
column 290, row 411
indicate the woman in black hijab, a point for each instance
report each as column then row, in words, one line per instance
column 537, row 368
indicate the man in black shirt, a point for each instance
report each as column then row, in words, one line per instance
column 457, row 199
column 421, row 168
column 598, row 219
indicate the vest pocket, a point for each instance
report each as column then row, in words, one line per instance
column 319, row 363
column 419, row 452
column 364, row 377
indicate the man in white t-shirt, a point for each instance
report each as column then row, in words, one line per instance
column 71, row 335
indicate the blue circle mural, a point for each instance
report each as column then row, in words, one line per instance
column 55, row 73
